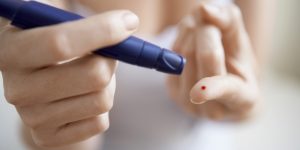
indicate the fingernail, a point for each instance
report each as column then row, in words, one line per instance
column 131, row 21
column 211, row 8
column 196, row 102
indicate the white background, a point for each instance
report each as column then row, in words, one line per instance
column 277, row 127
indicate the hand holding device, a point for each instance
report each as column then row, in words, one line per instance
column 133, row 50
column 63, row 100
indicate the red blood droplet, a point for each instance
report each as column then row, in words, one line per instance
column 203, row 88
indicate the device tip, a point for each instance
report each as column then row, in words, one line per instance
column 170, row 62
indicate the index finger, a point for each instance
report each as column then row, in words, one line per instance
column 229, row 90
column 48, row 45
column 209, row 52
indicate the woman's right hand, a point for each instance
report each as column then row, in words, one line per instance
column 62, row 92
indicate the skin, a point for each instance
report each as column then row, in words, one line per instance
column 220, row 72
column 61, row 61
column 155, row 15
column 223, row 58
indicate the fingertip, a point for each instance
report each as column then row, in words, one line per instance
column 209, row 9
column 200, row 93
column 120, row 22
column 214, row 14
column 209, row 88
column 131, row 21
column 115, row 25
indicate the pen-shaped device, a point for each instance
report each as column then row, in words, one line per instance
column 32, row 14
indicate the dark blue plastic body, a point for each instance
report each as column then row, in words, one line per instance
column 132, row 50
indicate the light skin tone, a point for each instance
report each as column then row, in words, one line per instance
column 221, row 69
column 218, row 49
column 63, row 101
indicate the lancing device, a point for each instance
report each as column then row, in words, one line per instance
column 32, row 14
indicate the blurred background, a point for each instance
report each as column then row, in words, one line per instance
column 277, row 127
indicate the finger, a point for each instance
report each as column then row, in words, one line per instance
column 74, row 132
column 229, row 90
column 209, row 58
column 236, row 41
column 86, row 107
column 186, row 28
column 189, row 77
column 79, row 77
column 173, row 86
column 183, row 40
column 229, row 19
column 226, row 17
column 68, row 110
column 47, row 45
column 209, row 52
column 214, row 110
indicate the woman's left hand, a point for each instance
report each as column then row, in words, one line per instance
column 220, row 77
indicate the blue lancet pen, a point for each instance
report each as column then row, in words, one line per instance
column 32, row 14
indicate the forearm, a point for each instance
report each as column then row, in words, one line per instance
column 93, row 143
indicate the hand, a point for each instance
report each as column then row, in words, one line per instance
column 62, row 92
column 220, row 78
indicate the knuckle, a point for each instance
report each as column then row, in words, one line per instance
column 102, row 103
column 188, row 24
column 43, row 142
column 60, row 44
column 236, row 12
column 109, row 30
column 100, row 74
column 32, row 122
column 101, row 125
column 14, row 97
column 18, row 96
